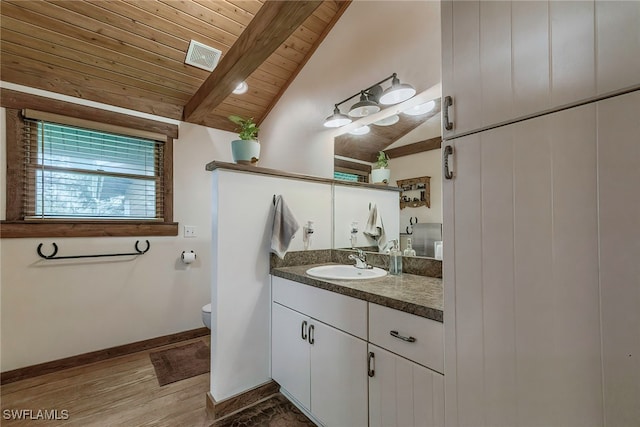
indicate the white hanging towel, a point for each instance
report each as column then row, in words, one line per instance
column 284, row 228
column 375, row 227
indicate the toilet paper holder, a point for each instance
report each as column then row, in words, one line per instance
column 188, row 261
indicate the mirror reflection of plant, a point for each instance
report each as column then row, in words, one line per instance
column 247, row 129
column 382, row 160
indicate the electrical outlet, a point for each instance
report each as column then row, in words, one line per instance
column 189, row 231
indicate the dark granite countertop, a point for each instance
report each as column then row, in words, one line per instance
column 413, row 294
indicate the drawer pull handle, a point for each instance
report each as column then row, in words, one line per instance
column 395, row 334
column 303, row 331
column 447, row 153
column 448, row 102
column 371, row 370
column 311, row 334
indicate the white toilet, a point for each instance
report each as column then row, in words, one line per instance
column 206, row 315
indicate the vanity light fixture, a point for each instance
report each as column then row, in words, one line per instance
column 242, row 87
column 370, row 98
column 398, row 92
column 420, row 109
column 362, row 130
column 337, row 119
column 364, row 107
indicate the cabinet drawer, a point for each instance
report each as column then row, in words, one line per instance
column 340, row 311
column 427, row 348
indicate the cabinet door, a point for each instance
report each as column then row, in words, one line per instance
column 290, row 353
column 522, row 327
column 619, row 224
column 461, row 64
column 403, row 393
column 338, row 377
column 618, row 44
column 502, row 61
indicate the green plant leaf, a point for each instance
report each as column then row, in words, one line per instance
column 236, row 119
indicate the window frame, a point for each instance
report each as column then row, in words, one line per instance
column 15, row 226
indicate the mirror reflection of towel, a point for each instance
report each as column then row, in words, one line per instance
column 375, row 227
column 284, row 228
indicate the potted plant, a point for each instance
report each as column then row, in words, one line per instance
column 246, row 150
column 381, row 173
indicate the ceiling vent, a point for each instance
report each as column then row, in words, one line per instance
column 202, row 56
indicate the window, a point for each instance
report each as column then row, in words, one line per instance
column 73, row 172
column 98, row 173
column 344, row 176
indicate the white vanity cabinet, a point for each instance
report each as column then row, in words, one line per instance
column 319, row 351
column 406, row 387
column 507, row 60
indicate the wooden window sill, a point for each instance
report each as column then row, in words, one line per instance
column 22, row 229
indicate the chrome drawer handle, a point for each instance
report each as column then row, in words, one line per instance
column 395, row 334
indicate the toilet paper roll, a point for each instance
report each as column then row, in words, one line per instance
column 188, row 257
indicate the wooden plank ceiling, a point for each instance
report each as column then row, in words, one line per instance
column 131, row 53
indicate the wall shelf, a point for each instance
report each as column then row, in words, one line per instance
column 416, row 192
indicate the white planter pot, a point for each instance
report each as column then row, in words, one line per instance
column 245, row 152
column 380, row 176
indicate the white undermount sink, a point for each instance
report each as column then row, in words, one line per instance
column 345, row 272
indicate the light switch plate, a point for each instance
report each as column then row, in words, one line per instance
column 189, row 231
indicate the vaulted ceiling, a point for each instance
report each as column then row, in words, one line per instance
column 130, row 53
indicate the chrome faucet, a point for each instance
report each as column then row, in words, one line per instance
column 361, row 259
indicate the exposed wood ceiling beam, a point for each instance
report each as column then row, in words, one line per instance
column 416, row 147
column 271, row 26
column 342, row 6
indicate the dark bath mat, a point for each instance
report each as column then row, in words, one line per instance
column 276, row 411
column 179, row 363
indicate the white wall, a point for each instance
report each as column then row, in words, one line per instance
column 242, row 216
column 426, row 163
column 53, row 311
column 372, row 40
column 56, row 309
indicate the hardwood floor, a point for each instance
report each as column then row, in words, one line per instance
column 122, row 391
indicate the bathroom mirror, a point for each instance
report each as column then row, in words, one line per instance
column 413, row 144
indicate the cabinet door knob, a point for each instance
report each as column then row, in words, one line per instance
column 448, row 152
column 311, row 338
column 303, row 330
column 448, row 102
column 395, row 334
column 371, row 364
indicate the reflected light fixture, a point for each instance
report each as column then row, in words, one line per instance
column 397, row 93
column 370, row 98
column 242, row 87
column 337, row 119
column 364, row 107
column 362, row 130
column 418, row 110
column 388, row 121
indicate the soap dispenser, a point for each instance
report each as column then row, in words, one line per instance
column 409, row 251
column 395, row 259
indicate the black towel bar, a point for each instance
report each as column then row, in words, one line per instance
column 55, row 251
